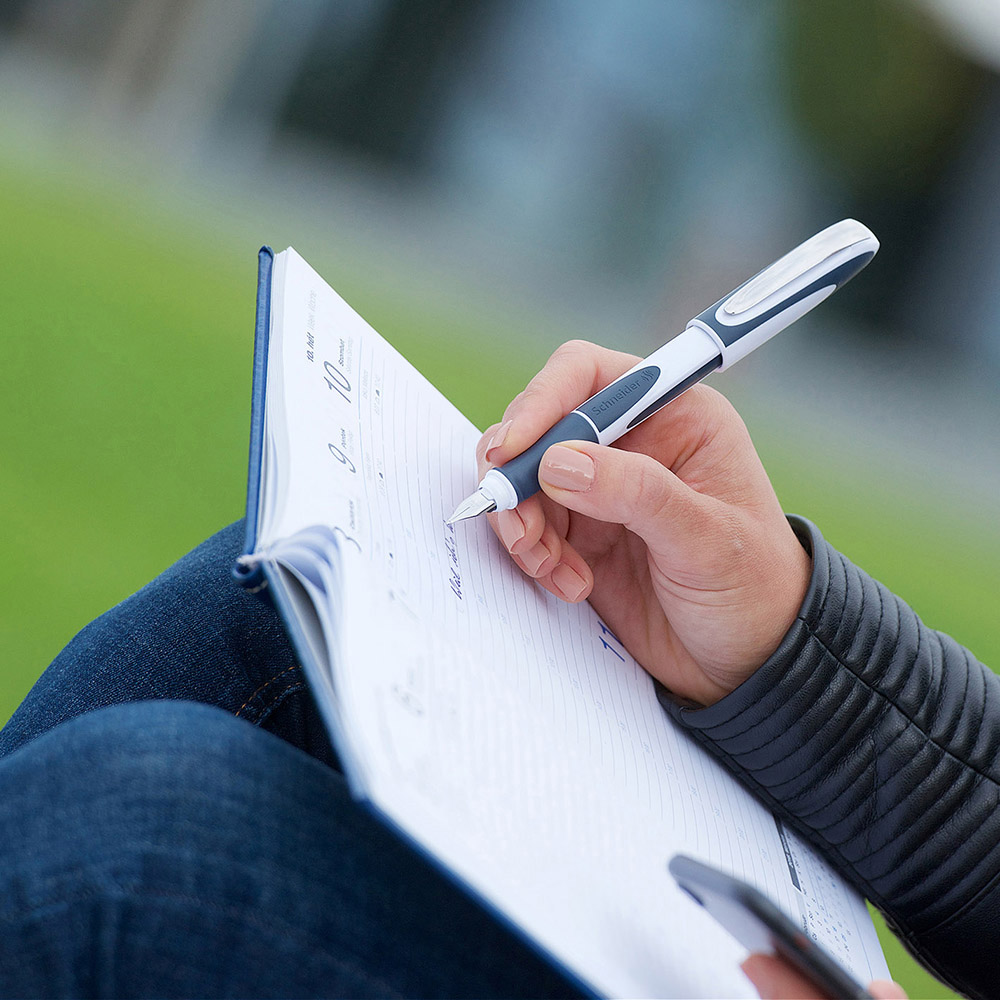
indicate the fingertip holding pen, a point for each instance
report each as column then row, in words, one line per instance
column 510, row 527
column 498, row 439
column 567, row 469
column 713, row 340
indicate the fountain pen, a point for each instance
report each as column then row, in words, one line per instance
column 715, row 339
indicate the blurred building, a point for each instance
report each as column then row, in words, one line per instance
column 629, row 158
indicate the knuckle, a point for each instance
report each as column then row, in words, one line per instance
column 533, row 522
column 705, row 409
column 571, row 362
column 571, row 349
column 644, row 494
column 515, row 404
column 571, row 355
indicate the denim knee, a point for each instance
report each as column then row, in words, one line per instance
column 165, row 848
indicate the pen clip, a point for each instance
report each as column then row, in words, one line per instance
column 787, row 289
column 825, row 247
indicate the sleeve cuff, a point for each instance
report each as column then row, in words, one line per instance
column 878, row 740
column 761, row 690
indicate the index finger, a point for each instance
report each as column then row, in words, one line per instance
column 575, row 371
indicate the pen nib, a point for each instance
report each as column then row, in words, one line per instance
column 473, row 506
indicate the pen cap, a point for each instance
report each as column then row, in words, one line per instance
column 787, row 289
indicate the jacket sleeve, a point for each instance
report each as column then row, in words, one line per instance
column 877, row 739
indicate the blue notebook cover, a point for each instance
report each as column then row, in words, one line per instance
column 249, row 575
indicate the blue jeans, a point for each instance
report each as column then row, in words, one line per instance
column 173, row 823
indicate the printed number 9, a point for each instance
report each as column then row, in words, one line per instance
column 341, row 457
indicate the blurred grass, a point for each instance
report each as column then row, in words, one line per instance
column 125, row 374
column 125, row 370
column 123, row 357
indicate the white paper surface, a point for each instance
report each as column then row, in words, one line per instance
column 508, row 733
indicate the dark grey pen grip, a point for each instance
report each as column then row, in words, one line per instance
column 522, row 472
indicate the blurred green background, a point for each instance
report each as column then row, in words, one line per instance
column 131, row 220
column 125, row 373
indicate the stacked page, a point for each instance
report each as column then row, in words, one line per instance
column 508, row 735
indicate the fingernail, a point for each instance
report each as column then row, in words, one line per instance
column 568, row 582
column 534, row 557
column 567, row 469
column 499, row 436
column 510, row 527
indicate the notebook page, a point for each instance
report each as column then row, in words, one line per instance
column 509, row 733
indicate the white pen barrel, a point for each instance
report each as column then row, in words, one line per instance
column 651, row 384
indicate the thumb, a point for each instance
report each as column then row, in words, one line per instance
column 631, row 489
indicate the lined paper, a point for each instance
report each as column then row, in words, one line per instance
column 508, row 734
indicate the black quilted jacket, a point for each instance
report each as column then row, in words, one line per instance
column 878, row 739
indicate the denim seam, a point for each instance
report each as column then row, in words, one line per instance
column 264, row 687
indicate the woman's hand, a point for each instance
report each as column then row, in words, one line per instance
column 777, row 980
column 674, row 534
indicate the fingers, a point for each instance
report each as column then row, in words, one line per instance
column 519, row 529
column 775, row 979
column 543, row 554
column 536, row 541
column 628, row 488
column 573, row 374
column 535, row 533
column 541, row 551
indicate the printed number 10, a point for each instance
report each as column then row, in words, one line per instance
column 337, row 381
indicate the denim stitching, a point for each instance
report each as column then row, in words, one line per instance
column 263, row 686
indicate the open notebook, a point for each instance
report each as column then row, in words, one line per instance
column 504, row 733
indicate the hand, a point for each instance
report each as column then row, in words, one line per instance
column 674, row 534
column 775, row 979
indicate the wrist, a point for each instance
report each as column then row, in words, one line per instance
column 756, row 681
column 781, row 586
